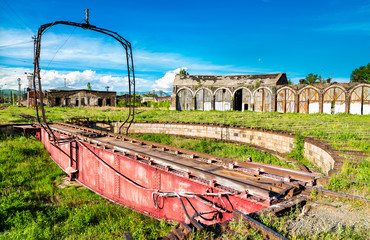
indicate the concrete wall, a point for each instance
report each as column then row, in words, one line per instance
column 271, row 140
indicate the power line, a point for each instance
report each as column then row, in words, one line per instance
column 60, row 48
column 15, row 44
column 19, row 60
column 24, row 23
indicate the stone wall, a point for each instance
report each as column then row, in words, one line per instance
column 280, row 142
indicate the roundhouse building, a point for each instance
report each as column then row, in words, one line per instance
column 266, row 93
column 80, row 98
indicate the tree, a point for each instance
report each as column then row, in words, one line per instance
column 88, row 86
column 312, row 78
column 290, row 82
column 183, row 72
column 362, row 73
column 150, row 94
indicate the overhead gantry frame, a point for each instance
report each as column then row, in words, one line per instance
column 37, row 76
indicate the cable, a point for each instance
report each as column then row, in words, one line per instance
column 60, row 48
column 24, row 23
column 19, row 60
column 14, row 44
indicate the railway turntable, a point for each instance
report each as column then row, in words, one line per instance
column 168, row 182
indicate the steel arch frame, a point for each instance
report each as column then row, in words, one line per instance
column 129, row 60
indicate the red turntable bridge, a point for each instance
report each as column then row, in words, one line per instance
column 168, row 182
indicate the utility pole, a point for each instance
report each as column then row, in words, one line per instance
column 2, row 93
column 87, row 16
column 30, row 87
column 19, row 92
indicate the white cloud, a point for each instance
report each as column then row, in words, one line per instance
column 165, row 82
column 79, row 51
column 76, row 79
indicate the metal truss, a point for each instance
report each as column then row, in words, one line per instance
column 37, row 77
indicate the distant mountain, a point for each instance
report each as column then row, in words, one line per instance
column 8, row 92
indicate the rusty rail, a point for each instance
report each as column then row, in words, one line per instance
column 331, row 193
column 267, row 232
column 256, row 168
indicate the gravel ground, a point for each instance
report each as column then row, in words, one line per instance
column 324, row 216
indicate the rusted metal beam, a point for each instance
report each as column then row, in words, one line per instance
column 37, row 76
column 267, row 232
column 330, row 193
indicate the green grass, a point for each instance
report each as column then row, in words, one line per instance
column 222, row 149
column 32, row 207
column 359, row 172
column 342, row 131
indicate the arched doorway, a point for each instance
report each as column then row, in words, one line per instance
column 360, row 100
column 309, row 101
column 242, row 100
column 285, row 101
column 203, row 100
column 184, row 99
column 262, row 100
column 222, row 100
column 334, row 101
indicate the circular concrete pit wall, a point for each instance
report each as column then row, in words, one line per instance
column 315, row 151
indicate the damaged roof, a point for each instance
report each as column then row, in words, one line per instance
column 231, row 80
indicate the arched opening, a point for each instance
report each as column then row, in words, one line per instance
column 360, row 100
column 222, row 100
column 242, row 100
column 203, row 100
column 285, row 101
column 184, row 98
column 262, row 100
column 309, row 101
column 334, row 101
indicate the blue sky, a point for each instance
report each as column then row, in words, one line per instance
column 206, row 37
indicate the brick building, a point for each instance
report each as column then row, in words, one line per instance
column 267, row 93
column 80, row 98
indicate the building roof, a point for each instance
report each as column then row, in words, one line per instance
column 79, row 90
column 231, row 80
